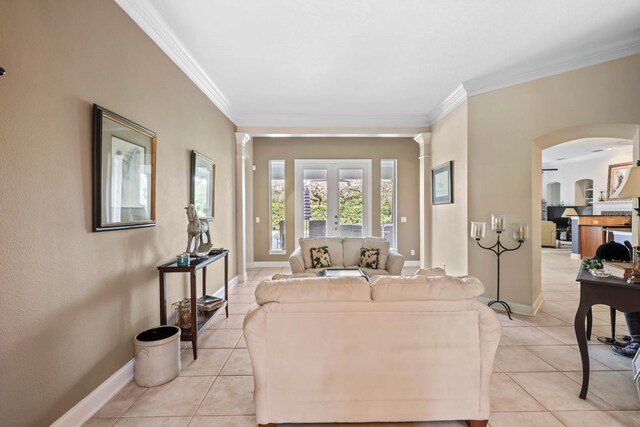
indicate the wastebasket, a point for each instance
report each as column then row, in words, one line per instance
column 157, row 356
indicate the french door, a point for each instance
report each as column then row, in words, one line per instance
column 333, row 198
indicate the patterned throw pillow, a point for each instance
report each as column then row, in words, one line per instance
column 369, row 258
column 320, row 257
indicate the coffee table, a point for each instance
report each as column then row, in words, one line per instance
column 343, row 272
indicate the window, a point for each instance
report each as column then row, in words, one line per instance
column 388, row 201
column 276, row 206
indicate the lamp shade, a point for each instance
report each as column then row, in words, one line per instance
column 630, row 187
column 569, row 212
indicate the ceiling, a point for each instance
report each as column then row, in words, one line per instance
column 376, row 62
column 585, row 148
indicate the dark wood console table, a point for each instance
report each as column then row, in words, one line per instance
column 611, row 291
column 197, row 322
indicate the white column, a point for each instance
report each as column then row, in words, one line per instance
column 424, row 141
column 244, row 183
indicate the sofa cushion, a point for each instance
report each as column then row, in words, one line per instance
column 319, row 289
column 320, row 257
column 382, row 245
column 431, row 272
column 333, row 243
column 351, row 250
column 369, row 258
column 421, row 288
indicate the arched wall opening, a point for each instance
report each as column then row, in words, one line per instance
column 622, row 131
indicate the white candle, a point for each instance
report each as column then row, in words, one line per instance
column 498, row 222
column 477, row 230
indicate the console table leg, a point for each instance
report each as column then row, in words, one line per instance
column 163, row 301
column 204, row 281
column 194, row 316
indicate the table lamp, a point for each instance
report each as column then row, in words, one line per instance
column 629, row 189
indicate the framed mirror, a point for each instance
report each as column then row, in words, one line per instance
column 203, row 178
column 124, row 172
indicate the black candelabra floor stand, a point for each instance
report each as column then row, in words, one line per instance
column 498, row 248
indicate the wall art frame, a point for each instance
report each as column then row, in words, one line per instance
column 203, row 185
column 617, row 173
column 442, row 184
column 124, row 172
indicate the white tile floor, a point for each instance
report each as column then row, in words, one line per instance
column 536, row 381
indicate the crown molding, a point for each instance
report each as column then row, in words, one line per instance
column 150, row 21
column 293, row 120
column 537, row 69
column 457, row 97
column 331, row 132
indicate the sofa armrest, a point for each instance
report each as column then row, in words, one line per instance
column 395, row 262
column 296, row 261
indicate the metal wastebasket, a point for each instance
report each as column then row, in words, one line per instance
column 157, row 358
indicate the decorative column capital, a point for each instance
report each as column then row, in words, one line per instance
column 242, row 140
column 424, row 141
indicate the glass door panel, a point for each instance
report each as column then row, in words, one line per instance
column 350, row 219
column 315, row 202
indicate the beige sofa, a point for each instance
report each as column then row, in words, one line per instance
column 345, row 253
column 336, row 350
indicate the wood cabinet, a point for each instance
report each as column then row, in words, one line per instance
column 592, row 232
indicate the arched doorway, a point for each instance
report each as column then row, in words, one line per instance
column 622, row 131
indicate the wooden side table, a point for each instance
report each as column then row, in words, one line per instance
column 197, row 322
column 611, row 291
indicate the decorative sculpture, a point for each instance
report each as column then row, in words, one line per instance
column 196, row 231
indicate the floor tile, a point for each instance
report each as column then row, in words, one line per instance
column 526, row 336
column 556, row 391
column 240, row 308
column 179, row 397
column 100, row 422
column 564, row 358
column 524, row 419
column 615, row 388
column 219, row 338
column 242, row 298
column 238, row 363
column 234, row 321
column 540, row 319
column 595, row 418
column 209, row 363
column 229, row 396
column 506, row 395
column 221, row 421
column 154, row 422
column 242, row 343
column 122, row 401
column 603, row 354
column 519, row 359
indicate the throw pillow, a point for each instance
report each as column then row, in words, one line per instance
column 320, row 257
column 369, row 258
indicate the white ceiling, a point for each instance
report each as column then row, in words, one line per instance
column 585, row 148
column 375, row 62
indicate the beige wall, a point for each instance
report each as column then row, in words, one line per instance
column 72, row 300
column 405, row 150
column 449, row 222
column 504, row 161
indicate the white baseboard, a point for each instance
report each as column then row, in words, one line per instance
column 412, row 263
column 262, row 264
column 575, row 256
column 95, row 400
column 527, row 310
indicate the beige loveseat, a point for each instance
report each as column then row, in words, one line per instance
column 345, row 253
column 336, row 350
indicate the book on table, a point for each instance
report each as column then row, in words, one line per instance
column 621, row 270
